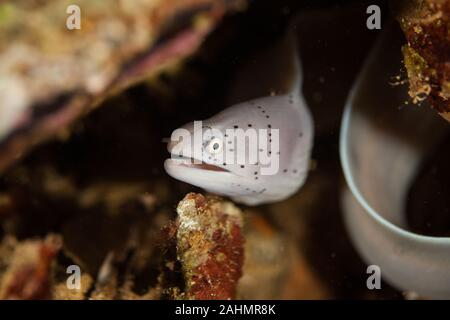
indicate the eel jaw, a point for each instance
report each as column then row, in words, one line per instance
column 191, row 163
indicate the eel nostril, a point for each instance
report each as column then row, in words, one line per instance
column 171, row 145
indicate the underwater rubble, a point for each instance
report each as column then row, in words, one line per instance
column 29, row 272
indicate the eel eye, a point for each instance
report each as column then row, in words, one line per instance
column 215, row 146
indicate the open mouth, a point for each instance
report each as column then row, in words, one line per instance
column 189, row 163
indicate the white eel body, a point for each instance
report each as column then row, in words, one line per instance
column 273, row 170
column 382, row 147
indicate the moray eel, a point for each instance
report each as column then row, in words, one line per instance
column 268, row 168
column 381, row 148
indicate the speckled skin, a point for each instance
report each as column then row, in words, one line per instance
column 246, row 183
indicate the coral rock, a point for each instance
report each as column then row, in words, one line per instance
column 29, row 271
column 426, row 24
column 210, row 246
